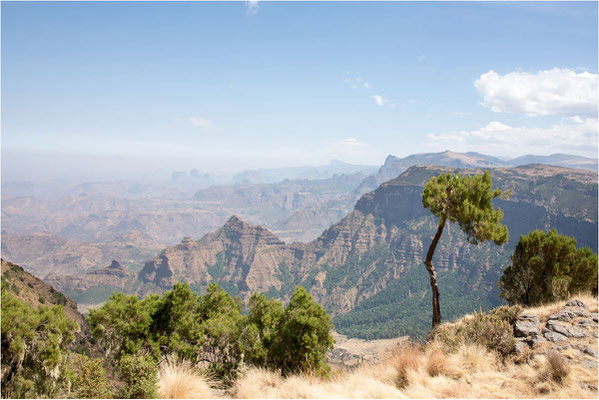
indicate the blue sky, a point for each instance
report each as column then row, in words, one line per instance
column 119, row 88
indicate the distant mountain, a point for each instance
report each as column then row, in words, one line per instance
column 561, row 160
column 367, row 268
column 394, row 166
column 272, row 175
column 44, row 252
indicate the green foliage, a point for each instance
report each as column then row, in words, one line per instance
column 304, row 335
column 547, row 267
column 88, row 378
column 468, row 201
column 212, row 329
column 139, row 374
column 494, row 330
column 34, row 348
column 123, row 325
column 222, row 324
column 265, row 316
column 175, row 322
column 403, row 307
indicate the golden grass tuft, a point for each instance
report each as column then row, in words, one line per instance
column 407, row 358
column 436, row 360
column 181, row 380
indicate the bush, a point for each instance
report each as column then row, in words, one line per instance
column 547, row 267
column 305, row 336
column 34, row 349
column 89, row 378
column 139, row 374
column 494, row 331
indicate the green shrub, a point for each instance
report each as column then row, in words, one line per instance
column 305, row 336
column 34, row 349
column 547, row 267
column 139, row 374
column 30, row 285
column 495, row 331
column 88, row 378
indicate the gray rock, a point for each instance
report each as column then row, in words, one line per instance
column 577, row 312
column 576, row 303
column 535, row 341
column 590, row 351
column 569, row 331
column 590, row 364
column 585, row 322
column 534, row 318
column 526, row 328
column 560, row 316
column 595, row 317
column 553, row 336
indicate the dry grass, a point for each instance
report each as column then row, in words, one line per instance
column 407, row 358
column 433, row 371
column 181, row 380
column 469, row 372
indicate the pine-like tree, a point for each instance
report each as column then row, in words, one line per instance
column 467, row 201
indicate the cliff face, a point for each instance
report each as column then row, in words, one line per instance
column 240, row 254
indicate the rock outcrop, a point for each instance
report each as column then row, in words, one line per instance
column 569, row 332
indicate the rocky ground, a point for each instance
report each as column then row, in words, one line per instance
column 570, row 331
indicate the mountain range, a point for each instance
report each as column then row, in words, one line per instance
column 366, row 269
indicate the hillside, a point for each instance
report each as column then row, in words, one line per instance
column 367, row 268
column 34, row 292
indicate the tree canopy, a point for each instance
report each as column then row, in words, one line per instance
column 547, row 267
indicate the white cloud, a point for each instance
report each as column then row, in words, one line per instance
column 556, row 91
column 251, row 7
column 380, row 101
column 351, row 143
column 366, row 85
column 201, row 122
column 497, row 138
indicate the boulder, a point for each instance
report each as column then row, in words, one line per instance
column 569, row 331
column 526, row 327
column 553, row 336
column 576, row 303
column 585, row 322
column 560, row 316
column 577, row 312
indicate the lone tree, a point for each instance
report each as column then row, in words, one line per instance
column 466, row 200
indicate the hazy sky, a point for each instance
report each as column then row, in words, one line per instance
column 100, row 89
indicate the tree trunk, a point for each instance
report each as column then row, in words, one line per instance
column 428, row 263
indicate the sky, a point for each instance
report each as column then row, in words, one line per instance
column 111, row 89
